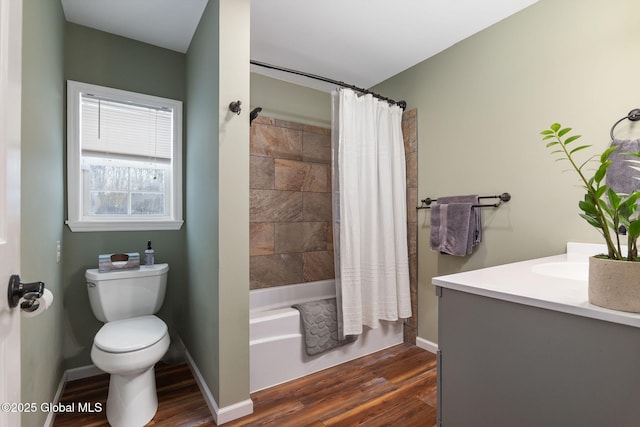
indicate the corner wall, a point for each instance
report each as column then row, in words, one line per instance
column 42, row 197
column 234, row 202
column 482, row 104
column 96, row 57
column 200, row 326
column 215, row 325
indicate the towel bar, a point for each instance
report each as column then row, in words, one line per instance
column 634, row 116
column 504, row 197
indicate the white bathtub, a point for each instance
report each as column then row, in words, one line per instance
column 276, row 344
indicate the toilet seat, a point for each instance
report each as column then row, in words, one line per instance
column 127, row 335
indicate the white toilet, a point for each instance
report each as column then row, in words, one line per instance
column 131, row 341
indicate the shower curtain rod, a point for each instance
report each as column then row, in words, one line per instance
column 401, row 104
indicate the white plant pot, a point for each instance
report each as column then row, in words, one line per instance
column 614, row 284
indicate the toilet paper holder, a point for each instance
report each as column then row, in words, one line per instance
column 29, row 291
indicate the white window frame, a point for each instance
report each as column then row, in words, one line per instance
column 77, row 221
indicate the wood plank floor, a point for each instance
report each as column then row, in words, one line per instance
column 393, row 387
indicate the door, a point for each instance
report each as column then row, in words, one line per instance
column 10, row 97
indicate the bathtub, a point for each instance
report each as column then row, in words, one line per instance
column 276, row 343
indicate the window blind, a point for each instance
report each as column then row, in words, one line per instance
column 113, row 127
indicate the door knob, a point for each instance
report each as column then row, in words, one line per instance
column 17, row 289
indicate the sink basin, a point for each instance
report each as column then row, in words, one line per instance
column 563, row 270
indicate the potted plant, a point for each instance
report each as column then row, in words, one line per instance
column 614, row 278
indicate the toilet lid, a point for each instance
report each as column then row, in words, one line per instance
column 121, row 336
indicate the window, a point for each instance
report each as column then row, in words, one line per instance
column 124, row 160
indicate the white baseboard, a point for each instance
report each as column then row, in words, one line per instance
column 70, row 375
column 82, row 372
column 235, row 411
column 220, row 415
column 48, row 422
column 427, row 345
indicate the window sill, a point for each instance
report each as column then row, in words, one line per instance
column 84, row 226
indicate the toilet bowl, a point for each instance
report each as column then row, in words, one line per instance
column 128, row 350
column 132, row 339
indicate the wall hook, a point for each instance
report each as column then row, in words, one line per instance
column 235, row 107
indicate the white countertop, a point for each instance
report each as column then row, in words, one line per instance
column 523, row 283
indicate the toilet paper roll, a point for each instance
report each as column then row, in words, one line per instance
column 45, row 302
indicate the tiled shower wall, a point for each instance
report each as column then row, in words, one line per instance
column 290, row 210
column 410, row 135
column 291, row 237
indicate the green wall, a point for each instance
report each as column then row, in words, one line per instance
column 100, row 58
column 481, row 105
column 216, row 327
column 287, row 101
column 42, row 196
column 201, row 327
column 207, row 293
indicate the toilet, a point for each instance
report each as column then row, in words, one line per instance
column 132, row 339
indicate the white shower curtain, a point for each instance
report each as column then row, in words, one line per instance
column 370, row 232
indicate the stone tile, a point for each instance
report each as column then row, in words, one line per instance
column 413, row 272
column 275, row 206
column 317, row 266
column 294, row 175
column 261, row 238
column 412, row 202
column 410, row 135
column 274, row 270
column 412, row 169
column 412, row 238
column 316, row 129
column 273, row 141
column 261, row 173
column 291, row 204
column 316, row 147
column 330, row 230
column 290, row 174
column 410, row 334
column 410, row 131
column 413, row 320
column 300, row 237
column 288, row 124
column 316, row 207
column 264, row 120
column 318, row 179
column 410, row 114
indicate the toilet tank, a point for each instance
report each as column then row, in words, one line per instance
column 116, row 295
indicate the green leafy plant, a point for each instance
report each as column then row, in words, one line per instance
column 609, row 212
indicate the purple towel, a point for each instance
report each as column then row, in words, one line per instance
column 622, row 176
column 455, row 225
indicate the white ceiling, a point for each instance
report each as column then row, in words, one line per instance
column 165, row 23
column 361, row 42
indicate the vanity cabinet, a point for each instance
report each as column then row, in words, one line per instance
column 507, row 359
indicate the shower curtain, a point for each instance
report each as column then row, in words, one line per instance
column 370, row 212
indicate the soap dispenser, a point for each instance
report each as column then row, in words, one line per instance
column 148, row 254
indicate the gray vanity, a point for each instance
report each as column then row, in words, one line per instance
column 520, row 345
